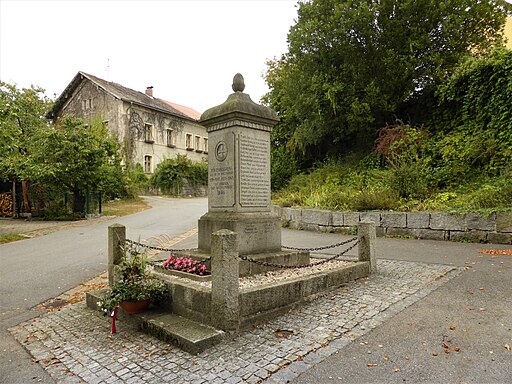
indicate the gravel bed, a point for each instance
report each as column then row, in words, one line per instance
column 284, row 274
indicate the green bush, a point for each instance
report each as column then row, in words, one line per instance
column 403, row 147
column 374, row 200
column 58, row 211
column 114, row 183
column 138, row 182
column 283, row 167
column 410, row 180
column 339, row 186
column 169, row 174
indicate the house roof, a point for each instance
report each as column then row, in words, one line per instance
column 186, row 110
column 125, row 94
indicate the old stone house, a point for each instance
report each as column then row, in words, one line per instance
column 150, row 129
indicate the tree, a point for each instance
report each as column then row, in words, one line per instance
column 22, row 119
column 66, row 156
column 473, row 120
column 77, row 157
column 353, row 64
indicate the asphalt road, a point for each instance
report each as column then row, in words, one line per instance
column 35, row 270
column 471, row 315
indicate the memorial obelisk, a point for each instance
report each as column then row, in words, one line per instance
column 239, row 173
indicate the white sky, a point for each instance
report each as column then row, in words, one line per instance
column 188, row 51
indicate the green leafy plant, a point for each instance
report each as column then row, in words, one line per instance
column 352, row 230
column 135, row 282
column 169, row 174
column 138, row 182
column 374, row 200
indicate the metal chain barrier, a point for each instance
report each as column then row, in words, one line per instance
column 261, row 262
column 321, row 248
column 267, row 264
column 131, row 242
column 142, row 245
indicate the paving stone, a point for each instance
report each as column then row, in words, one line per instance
column 327, row 351
column 122, row 372
column 233, row 380
column 127, row 376
column 298, row 367
column 312, row 358
column 253, row 379
column 170, row 377
column 131, row 356
column 284, row 376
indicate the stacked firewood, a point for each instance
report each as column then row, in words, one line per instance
column 6, row 205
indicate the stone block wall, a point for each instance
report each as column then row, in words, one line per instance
column 189, row 189
column 473, row 227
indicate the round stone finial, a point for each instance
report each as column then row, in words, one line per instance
column 238, row 83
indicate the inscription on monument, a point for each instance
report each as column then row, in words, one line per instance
column 251, row 229
column 221, row 181
column 254, row 172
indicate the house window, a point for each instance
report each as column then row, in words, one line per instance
column 148, row 133
column 197, row 144
column 170, row 138
column 205, row 145
column 148, row 164
column 87, row 104
column 188, row 142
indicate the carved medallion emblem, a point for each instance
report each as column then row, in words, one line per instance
column 221, row 151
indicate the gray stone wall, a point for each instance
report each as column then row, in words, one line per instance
column 473, row 227
column 189, row 189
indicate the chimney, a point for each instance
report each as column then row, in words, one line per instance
column 149, row 91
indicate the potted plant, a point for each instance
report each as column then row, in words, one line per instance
column 135, row 288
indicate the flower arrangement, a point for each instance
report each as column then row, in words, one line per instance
column 185, row 264
column 134, row 284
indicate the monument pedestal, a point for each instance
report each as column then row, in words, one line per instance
column 258, row 232
column 239, row 182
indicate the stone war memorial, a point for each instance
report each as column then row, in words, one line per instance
column 252, row 276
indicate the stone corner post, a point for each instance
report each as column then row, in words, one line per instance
column 116, row 240
column 225, row 265
column 367, row 237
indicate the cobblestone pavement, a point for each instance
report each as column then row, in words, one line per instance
column 74, row 344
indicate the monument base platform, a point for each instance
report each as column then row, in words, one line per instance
column 258, row 232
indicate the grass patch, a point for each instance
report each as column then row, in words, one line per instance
column 123, row 207
column 353, row 186
column 10, row 237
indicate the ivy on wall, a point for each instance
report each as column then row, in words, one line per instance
column 136, row 125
